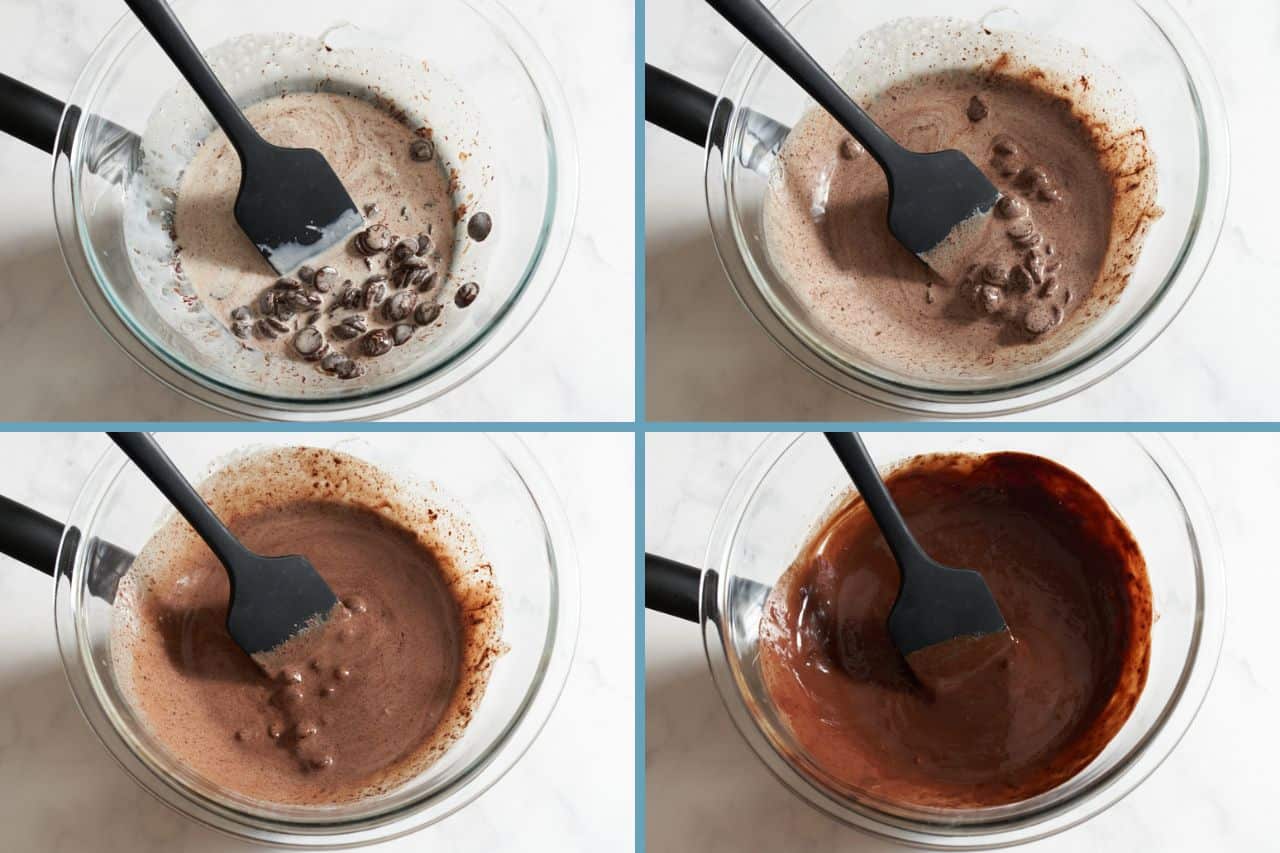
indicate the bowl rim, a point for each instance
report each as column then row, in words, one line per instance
column 1001, row 831
column 541, row 271
column 540, row 699
column 865, row 383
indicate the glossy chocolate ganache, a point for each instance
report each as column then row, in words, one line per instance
column 403, row 664
column 1072, row 584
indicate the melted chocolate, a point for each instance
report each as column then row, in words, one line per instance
column 1070, row 580
column 357, row 706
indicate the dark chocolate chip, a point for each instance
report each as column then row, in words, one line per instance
column 375, row 290
column 466, row 294
column 421, row 277
column 352, row 296
column 401, row 333
column 1005, row 146
column 1020, row 279
column 325, row 278
column 995, row 275
column 376, row 343
column 306, row 274
column 1049, row 194
column 242, row 313
column 400, row 306
column 427, row 313
column 1035, row 265
column 977, row 109
column 1030, row 241
column 422, row 149
column 270, row 328
column 331, row 361
column 1038, row 320
column 373, row 240
column 403, row 250
column 990, row 298
column 1011, row 207
column 350, row 328
column 479, row 226
column 1021, row 229
column 309, row 342
column 242, row 329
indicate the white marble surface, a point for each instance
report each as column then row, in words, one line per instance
column 708, row 360
column 574, row 362
column 706, row 791
column 573, row 790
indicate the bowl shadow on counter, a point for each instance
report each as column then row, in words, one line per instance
column 63, row 791
column 65, row 367
column 707, row 358
column 705, row 790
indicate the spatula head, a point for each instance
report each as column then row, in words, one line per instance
column 292, row 205
column 276, row 600
column 947, row 624
column 939, row 208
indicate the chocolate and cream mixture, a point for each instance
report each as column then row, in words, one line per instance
column 383, row 289
column 1071, row 582
column 1078, row 194
column 402, row 664
column 406, row 292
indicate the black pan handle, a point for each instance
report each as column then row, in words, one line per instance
column 677, row 106
column 29, row 536
column 671, row 587
column 29, row 114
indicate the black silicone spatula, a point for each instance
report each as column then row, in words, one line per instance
column 273, row 599
column 291, row 204
column 945, row 621
column 939, row 203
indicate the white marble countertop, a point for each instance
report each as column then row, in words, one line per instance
column 575, row 361
column 573, row 789
column 708, row 359
column 706, row 790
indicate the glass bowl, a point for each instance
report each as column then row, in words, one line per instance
column 493, row 482
column 792, row 482
column 483, row 60
column 1178, row 102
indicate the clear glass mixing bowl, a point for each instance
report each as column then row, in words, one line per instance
column 792, row 482
column 507, row 84
column 521, row 530
column 1178, row 103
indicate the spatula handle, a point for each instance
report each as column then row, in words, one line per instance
column 28, row 536
column 862, row 470
column 158, row 19
column 29, row 114
column 160, row 470
column 672, row 588
column 677, row 106
column 761, row 28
